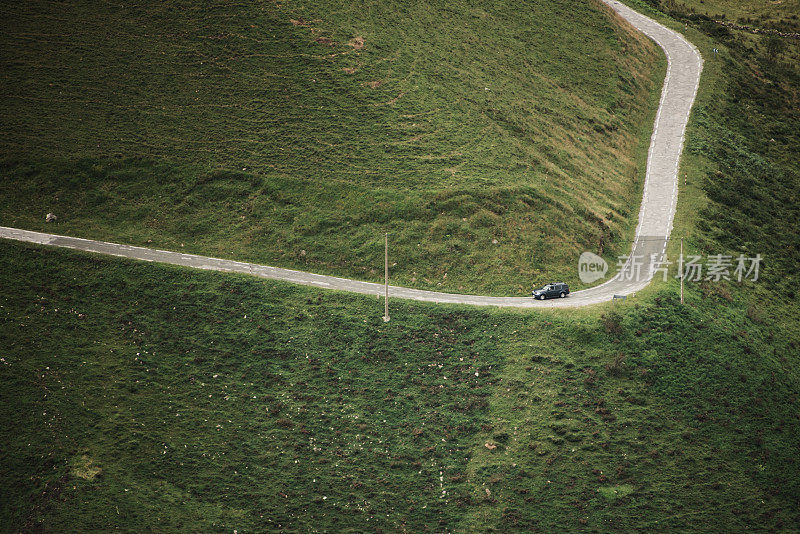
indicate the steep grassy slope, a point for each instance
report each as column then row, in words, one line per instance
column 665, row 417
column 743, row 189
column 647, row 416
column 145, row 397
column 495, row 142
column 783, row 15
column 168, row 399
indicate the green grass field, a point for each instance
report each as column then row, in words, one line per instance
column 495, row 142
column 143, row 397
column 783, row 15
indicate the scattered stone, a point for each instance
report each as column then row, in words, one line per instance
column 494, row 241
column 302, row 253
column 50, row 218
column 490, row 446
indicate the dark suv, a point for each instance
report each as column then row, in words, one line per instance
column 551, row 290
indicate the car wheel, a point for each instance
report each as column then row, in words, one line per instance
column 541, row 297
column 563, row 294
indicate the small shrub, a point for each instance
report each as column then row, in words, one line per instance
column 284, row 423
column 591, row 377
column 501, row 437
column 724, row 292
column 754, row 314
column 618, row 367
column 612, row 323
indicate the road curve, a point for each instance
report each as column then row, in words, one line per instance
column 652, row 233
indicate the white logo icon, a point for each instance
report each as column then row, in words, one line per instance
column 591, row 267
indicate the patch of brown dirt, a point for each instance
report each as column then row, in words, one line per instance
column 357, row 43
column 374, row 84
column 392, row 101
column 85, row 468
column 348, row 70
column 325, row 41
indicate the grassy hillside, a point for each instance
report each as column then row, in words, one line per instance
column 146, row 397
column 494, row 141
column 743, row 187
column 168, row 399
column 783, row 15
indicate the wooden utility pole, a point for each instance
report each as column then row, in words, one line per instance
column 680, row 263
column 386, row 278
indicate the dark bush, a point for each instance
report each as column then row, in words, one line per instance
column 612, row 323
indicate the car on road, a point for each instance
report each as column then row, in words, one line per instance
column 547, row 291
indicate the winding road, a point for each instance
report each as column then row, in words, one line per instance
column 652, row 233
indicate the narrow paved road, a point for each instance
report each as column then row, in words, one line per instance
column 655, row 215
